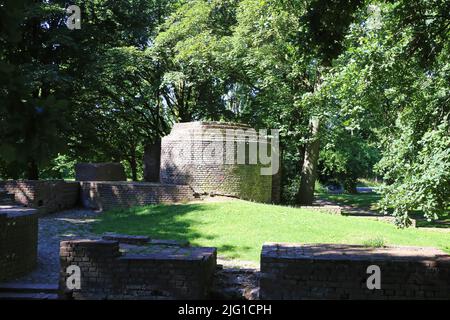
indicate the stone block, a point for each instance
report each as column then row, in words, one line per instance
column 332, row 271
column 108, row 171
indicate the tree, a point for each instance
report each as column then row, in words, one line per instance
column 34, row 109
column 393, row 79
column 188, row 48
column 289, row 46
column 346, row 156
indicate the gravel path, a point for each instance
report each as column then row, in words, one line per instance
column 77, row 224
column 65, row 225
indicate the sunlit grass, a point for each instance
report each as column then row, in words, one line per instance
column 239, row 228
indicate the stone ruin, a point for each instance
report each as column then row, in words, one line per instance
column 109, row 171
column 18, row 241
column 136, row 267
column 182, row 175
column 125, row 268
column 194, row 154
column 47, row 196
column 292, row 271
column 117, row 267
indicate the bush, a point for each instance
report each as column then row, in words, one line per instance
column 418, row 171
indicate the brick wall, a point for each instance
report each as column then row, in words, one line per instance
column 183, row 162
column 177, row 273
column 108, row 195
column 18, row 243
column 295, row 271
column 45, row 195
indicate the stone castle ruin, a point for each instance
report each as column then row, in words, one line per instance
column 198, row 158
column 195, row 159
column 218, row 159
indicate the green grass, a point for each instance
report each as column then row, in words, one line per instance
column 444, row 220
column 239, row 228
column 359, row 200
column 369, row 183
column 375, row 243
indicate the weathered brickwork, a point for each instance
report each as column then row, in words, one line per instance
column 184, row 160
column 108, row 171
column 327, row 271
column 109, row 195
column 276, row 188
column 174, row 273
column 152, row 159
column 47, row 196
column 18, row 242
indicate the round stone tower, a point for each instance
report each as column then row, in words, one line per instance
column 217, row 158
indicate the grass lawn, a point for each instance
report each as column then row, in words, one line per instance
column 444, row 220
column 361, row 200
column 370, row 200
column 239, row 228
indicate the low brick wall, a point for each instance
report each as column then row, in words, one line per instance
column 18, row 242
column 174, row 273
column 47, row 196
column 327, row 271
column 108, row 195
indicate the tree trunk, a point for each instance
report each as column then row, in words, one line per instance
column 32, row 170
column 350, row 185
column 133, row 166
column 152, row 156
column 305, row 194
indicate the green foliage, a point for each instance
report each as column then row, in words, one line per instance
column 61, row 167
column 418, row 171
column 345, row 157
column 376, row 73
column 188, row 48
column 392, row 83
column 33, row 108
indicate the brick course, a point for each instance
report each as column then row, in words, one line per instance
column 329, row 271
column 182, row 162
column 174, row 273
column 47, row 196
column 109, row 195
column 18, row 242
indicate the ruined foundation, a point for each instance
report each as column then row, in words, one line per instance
column 196, row 154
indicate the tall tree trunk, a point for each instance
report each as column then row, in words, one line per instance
column 32, row 170
column 152, row 159
column 133, row 166
column 350, row 185
column 305, row 194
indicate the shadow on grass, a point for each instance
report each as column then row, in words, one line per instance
column 233, row 252
column 359, row 200
column 369, row 201
column 166, row 222
column 421, row 222
column 158, row 222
